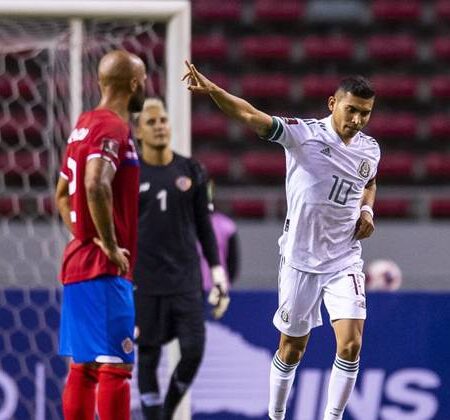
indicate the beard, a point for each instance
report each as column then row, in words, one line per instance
column 137, row 100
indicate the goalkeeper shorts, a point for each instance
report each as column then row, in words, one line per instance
column 97, row 321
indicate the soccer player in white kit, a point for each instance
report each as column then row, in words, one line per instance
column 330, row 189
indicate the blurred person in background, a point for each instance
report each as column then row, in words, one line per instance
column 173, row 216
column 330, row 189
column 225, row 231
column 97, row 197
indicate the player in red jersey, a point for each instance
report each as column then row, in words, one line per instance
column 97, row 197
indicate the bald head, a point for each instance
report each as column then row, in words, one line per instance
column 118, row 68
column 122, row 77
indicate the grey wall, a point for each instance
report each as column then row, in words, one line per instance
column 420, row 249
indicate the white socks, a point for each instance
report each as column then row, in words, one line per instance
column 342, row 381
column 281, row 379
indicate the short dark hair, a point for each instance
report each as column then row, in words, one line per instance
column 358, row 86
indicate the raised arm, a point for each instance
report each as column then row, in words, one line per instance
column 233, row 106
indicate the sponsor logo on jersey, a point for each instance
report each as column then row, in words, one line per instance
column 127, row 345
column 284, row 315
column 326, row 152
column 183, row 183
column 78, row 134
column 145, row 186
column 111, row 147
column 290, row 121
column 364, row 168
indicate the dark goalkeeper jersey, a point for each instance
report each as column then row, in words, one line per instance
column 173, row 215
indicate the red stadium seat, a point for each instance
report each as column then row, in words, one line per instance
column 248, row 208
column 441, row 48
column 317, row 86
column 440, row 86
column 6, row 89
column 46, row 205
column 437, row 167
column 265, row 86
column 263, row 164
column 216, row 10
column 397, row 166
column 266, row 47
column 278, row 11
column 399, row 126
column 209, row 48
column 393, row 87
column 221, row 80
column 442, row 10
column 439, row 126
column 8, row 206
column 209, row 125
column 393, row 207
column 396, row 11
column 391, row 47
column 440, row 208
column 330, row 48
column 216, row 163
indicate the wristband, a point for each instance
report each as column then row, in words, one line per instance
column 366, row 208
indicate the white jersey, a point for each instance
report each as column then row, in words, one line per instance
column 325, row 182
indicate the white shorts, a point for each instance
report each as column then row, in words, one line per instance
column 300, row 296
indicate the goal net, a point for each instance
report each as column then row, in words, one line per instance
column 48, row 65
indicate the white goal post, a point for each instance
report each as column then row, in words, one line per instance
column 177, row 15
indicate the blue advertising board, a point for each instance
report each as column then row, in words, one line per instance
column 404, row 375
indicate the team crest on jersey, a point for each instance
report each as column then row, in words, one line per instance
column 284, row 315
column 127, row 345
column 183, row 183
column 364, row 168
column 111, row 146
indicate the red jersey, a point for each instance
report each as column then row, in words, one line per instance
column 100, row 134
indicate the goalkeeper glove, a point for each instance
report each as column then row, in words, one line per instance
column 218, row 296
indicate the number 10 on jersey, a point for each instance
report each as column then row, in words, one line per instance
column 340, row 190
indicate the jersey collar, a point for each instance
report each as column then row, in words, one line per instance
column 335, row 136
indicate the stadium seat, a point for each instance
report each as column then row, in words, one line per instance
column 442, row 10
column 278, row 11
column 266, row 47
column 396, row 11
column 440, row 208
column 440, row 86
column 439, row 126
column 221, row 80
column 6, row 89
column 207, row 126
column 265, row 86
column 216, row 10
column 217, row 163
column 328, row 48
column 393, row 87
column 397, row 166
column 437, row 167
column 265, row 165
column 319, row 86
column 393, row 207
column 8, row 206
column 441, row 47
column 210, row 48
column 391, row 47
column 398, row 126
column 248, row 208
